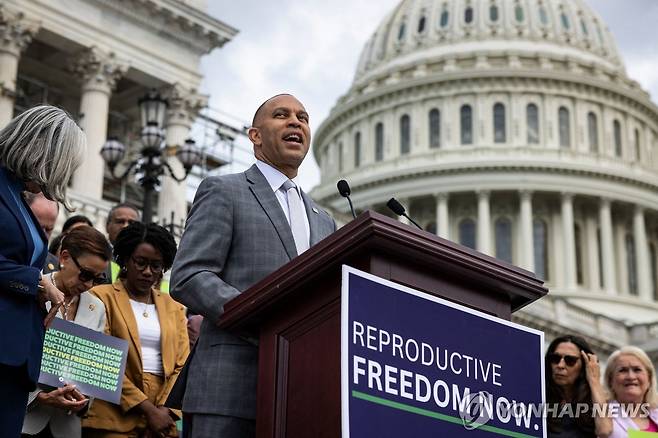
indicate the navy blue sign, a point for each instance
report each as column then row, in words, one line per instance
column 414, row 365
column 93, row 361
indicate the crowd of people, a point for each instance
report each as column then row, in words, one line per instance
column 240, row 228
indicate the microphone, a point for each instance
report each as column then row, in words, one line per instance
column 344, row 190
column 398, row 209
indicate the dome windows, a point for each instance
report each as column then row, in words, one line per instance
column 566, row 25
column 617, row 136
column 493, row 13
column 379, row 141
column 405, row 134
column 466, row 124
column 467, row 233
column 500, row 134
column 564, row 127
column 340, row 157
column 445, row 17
column 503, row 230
column 532, row 123
column 518, row 13
column 421, row 24
column 593, row 132
column 543, row 15
column 468, row 15
column 540, row 240
column 402, row 30
column 583, row 27
column 435, row 128
column 637, row 145
column 357, row 149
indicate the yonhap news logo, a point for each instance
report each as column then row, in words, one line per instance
column 479, row 408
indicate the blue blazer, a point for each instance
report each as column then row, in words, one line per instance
column 21, row 319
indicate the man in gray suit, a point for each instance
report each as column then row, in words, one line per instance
column 241, row 228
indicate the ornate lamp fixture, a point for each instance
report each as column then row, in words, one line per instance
column 150, row 164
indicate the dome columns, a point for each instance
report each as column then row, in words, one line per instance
column 569, row 260
column 442, row 221
column 527, row 242
column 607, row 252
column 484, row 223
column 641, row 254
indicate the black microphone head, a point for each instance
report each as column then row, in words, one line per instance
column 394, row 205
column 343, row 188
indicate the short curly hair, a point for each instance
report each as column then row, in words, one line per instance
column 136, row 233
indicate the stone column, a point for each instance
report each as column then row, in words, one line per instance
column 642, row 255
column 569, row 241
column 184, row 106
column 527, row 237
column 16, row 33
column 607, row 252
column 484, row 223
column 99, row 73
column 442, row 221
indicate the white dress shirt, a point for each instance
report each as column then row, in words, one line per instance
column 275, row 179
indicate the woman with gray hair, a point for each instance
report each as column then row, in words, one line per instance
column 39, row 151
column 631, row 380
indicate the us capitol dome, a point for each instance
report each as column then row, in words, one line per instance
column 511, row 126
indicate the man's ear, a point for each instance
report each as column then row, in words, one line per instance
column 254, row 136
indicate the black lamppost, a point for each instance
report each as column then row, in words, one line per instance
column 150, row 164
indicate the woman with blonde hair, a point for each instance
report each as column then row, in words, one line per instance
column 631, row 380
column 39, row 151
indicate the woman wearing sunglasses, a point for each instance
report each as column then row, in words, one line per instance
column 631, row 381
column 83, row 259
column 156, row 330
column 573, row 377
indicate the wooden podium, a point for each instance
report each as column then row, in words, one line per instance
column 296, row 312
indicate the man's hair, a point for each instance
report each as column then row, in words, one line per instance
column 130, row 237
column 77, row 219
column 86, row 240
column 43, row 145
column 262, row 106
column 110, row 215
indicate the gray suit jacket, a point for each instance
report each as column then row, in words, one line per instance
column 236, row 234
column 90, row 314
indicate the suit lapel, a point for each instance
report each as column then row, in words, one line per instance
column 126, row 310
column 267, row 200
column 313, row 219
column 166, row 333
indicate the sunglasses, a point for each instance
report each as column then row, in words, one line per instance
column 86, row 275
column 142, row 264
column 569, row 360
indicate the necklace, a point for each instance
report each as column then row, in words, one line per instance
column 65, row 305
column 145, row 313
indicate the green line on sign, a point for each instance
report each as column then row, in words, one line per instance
column 432, row 414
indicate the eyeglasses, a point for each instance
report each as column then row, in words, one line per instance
column 141, row 264
column 569, row 360
column 86, row 275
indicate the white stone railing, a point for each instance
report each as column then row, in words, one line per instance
column 596, row 325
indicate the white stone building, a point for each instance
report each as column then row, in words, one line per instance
column 511, row 126
column 96, row 58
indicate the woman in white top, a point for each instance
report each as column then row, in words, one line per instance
column 83, row 259
column 156, row 330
